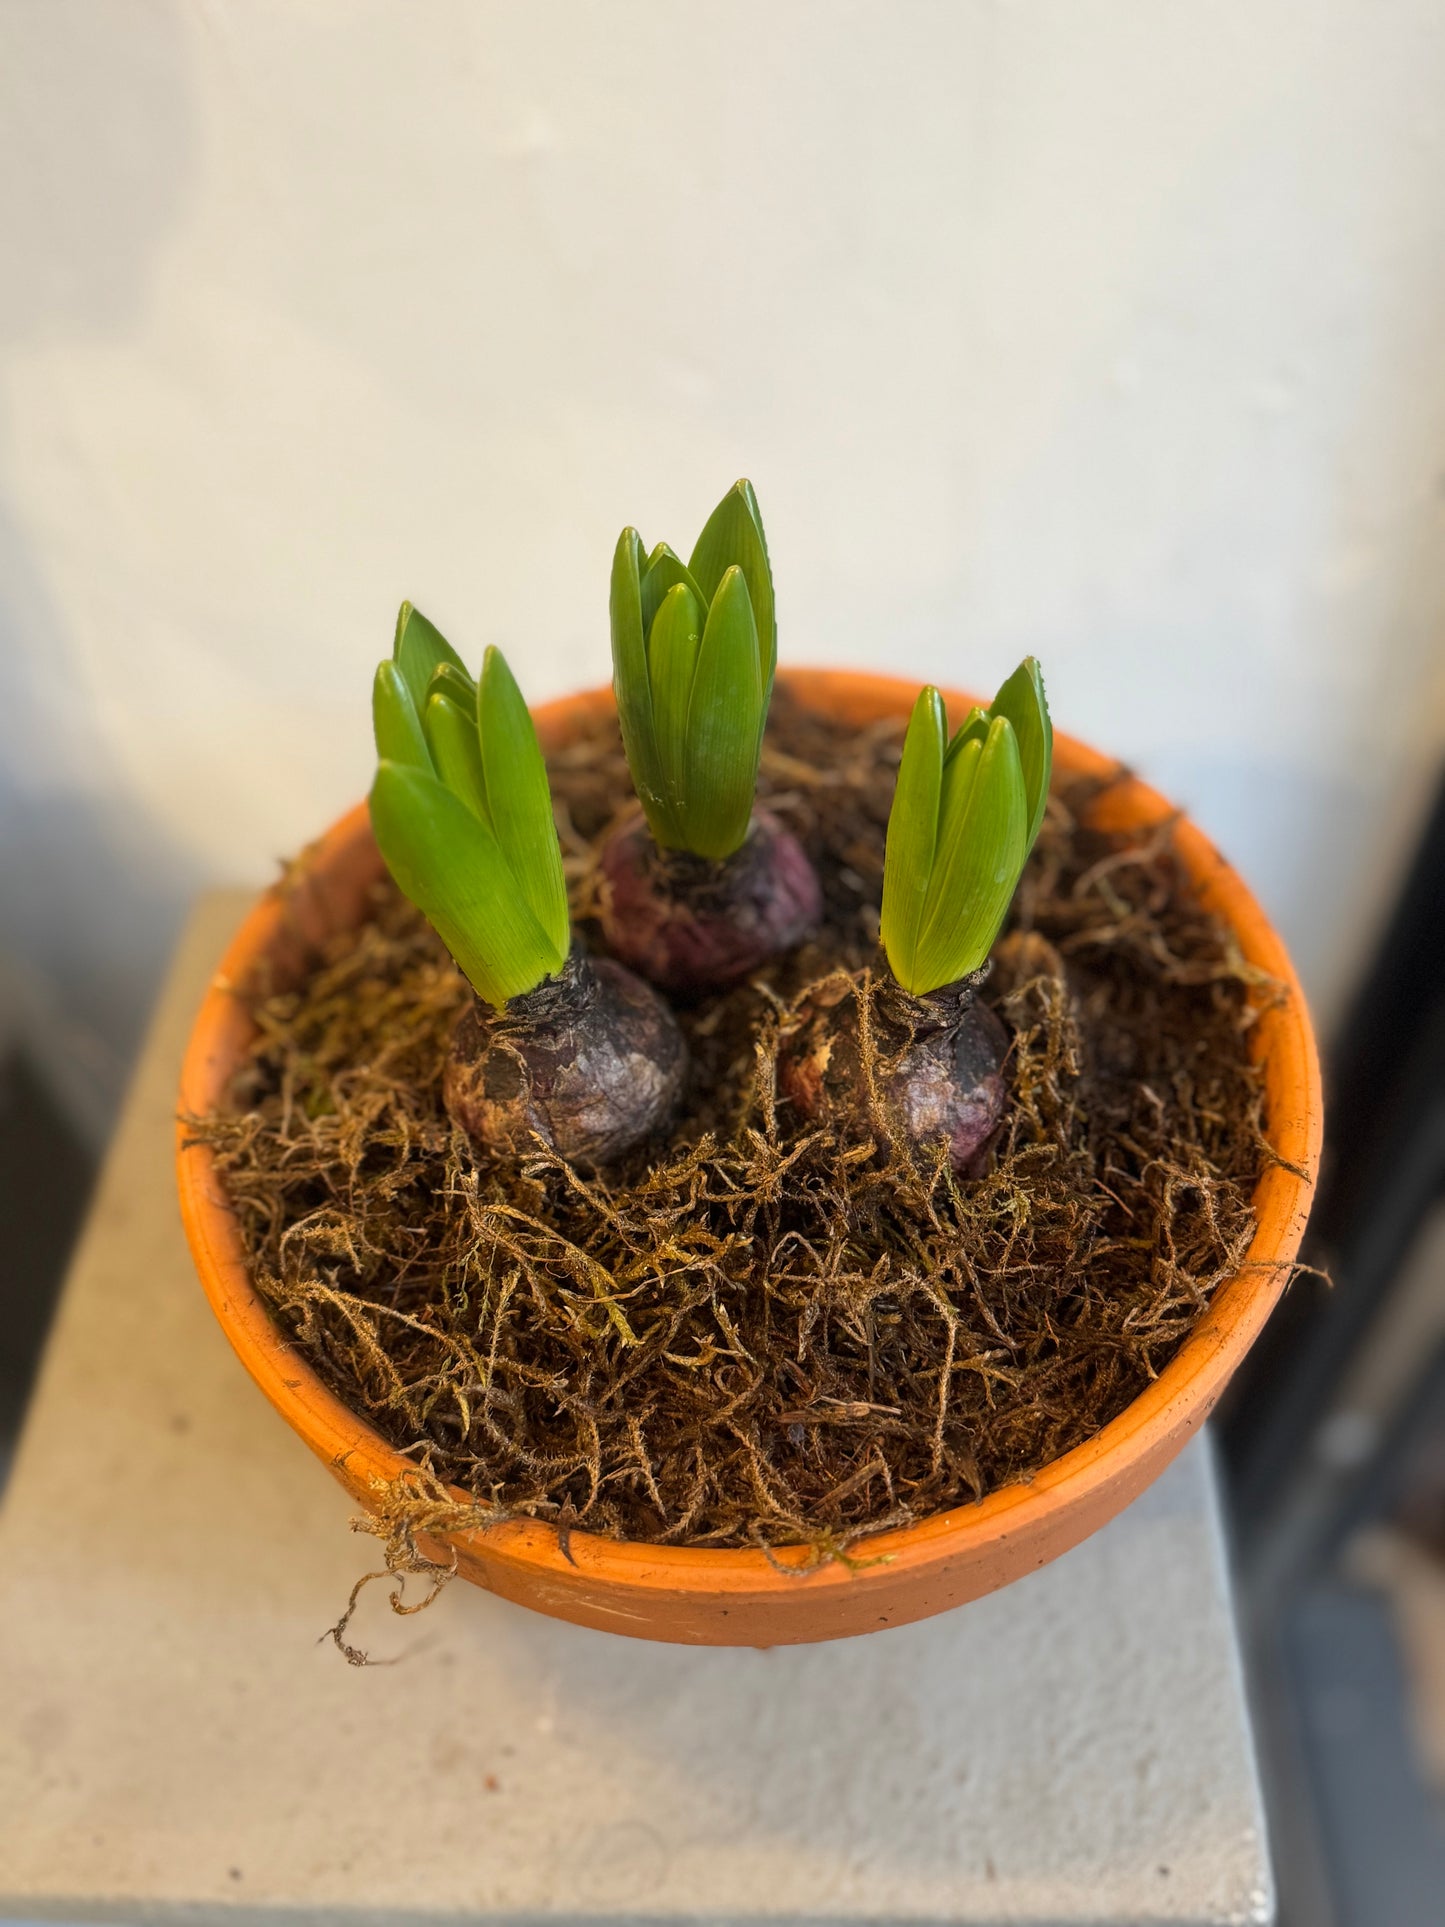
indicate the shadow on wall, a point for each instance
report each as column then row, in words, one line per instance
column 96, row 141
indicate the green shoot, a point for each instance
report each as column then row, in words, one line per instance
column 964, row 818
column 462, row 811
column 693, row 652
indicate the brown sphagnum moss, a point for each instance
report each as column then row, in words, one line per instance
column 754, row 1330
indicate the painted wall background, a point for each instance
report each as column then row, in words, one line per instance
column 1113, row 330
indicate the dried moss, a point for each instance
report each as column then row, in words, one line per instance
column 756, row 1334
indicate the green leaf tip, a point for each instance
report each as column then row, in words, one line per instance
column 462, row 811
column 418, row 649
column 1022, row 700
column 965, row 815
column 694, row 649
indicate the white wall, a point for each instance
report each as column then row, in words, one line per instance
column 1110, row 329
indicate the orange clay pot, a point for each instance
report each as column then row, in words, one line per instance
column 725, row 1598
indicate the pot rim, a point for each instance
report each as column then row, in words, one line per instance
column 1174, row 1404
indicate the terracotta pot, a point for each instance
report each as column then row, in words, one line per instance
column 727, row 1598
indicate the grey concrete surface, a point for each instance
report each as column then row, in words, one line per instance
column 175, row 1744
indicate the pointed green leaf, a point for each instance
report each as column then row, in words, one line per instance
column 519, row 797
column 733, row 535
column 912, row 832
column 745, row 489
column 960, row 772
column 724, row 723
column 395, row 724
column 981, row 849
column 418, row 648
column 455, row 683
column 664, row 571
column 451, row 734
column 452, row 868
column 973, row 728
column 672, row 650
column 1023, row 701
column 633, row 689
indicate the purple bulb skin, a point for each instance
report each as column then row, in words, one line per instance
column 591, row 1062
column 939, row 1064
column 691, row 925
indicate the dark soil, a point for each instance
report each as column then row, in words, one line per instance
column 758, row 1332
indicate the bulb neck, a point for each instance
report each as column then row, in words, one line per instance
column 572, row 988
column 933, row 1013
